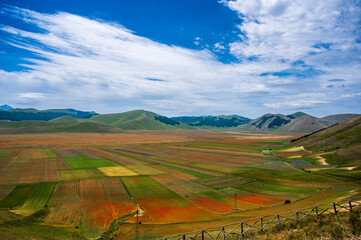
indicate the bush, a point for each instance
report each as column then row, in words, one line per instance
column 355, row 222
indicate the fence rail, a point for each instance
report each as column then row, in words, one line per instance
column 237, row 230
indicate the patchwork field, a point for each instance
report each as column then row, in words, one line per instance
column 84, row 182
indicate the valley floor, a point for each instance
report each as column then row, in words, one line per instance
column 68, row 185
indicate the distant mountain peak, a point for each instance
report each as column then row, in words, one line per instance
column 6, row 107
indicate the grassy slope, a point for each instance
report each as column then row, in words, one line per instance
column 330, row 226
column 63, row 124
column 17, row 227
column 135, row 120
column 342, row 140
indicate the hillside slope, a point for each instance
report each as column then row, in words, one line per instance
column 297, row 122
column 268, row 121
column 334, row 119
column 20, row 114
column 221, row 121
column 62, row 124
column 139, row 120
column 303, row 124
column 343, row 141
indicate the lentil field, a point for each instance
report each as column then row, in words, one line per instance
column 178, row 180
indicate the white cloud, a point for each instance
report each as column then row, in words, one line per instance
column 91, row 64
column 290, row 30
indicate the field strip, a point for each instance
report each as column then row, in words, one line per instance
column 74, row 174
column 50, row 153
column 103, row 200
column 88, row 154
column 137, row 151
column 150, row 160
column 82, row 163
column 162, row 204
column 17, row 196
column 37, row 200
column 174, row 172
column 145, row 170
column 63, row 153
column 110, row 155
column 117, row 171
column 65, row 205
column 126, row 156
column 203, row 149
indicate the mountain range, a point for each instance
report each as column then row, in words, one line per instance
column 69, row 120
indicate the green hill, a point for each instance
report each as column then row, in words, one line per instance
column 139, row 120
column 342, row 141
column 298, row 114
column 221, row 121
column 296, row 122
column 20, row 114
column 62, row 124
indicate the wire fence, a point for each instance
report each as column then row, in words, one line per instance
column 238, row 230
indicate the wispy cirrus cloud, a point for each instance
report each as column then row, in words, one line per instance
column 92, row 64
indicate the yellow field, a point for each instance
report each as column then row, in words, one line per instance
column 117, row 171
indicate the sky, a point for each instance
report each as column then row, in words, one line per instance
column 182, row 57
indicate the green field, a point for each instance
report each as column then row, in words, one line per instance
column 50, row 153
column 17, row 197
column 144, row 187
column 225, row 181
column 268, row 188
column 87, row 162
column 190, row 172
column 4, row 153
column 38, row 200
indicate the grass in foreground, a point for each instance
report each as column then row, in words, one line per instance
column 17, row 227
column 331, row 226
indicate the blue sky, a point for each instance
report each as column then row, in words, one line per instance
column 182, row 57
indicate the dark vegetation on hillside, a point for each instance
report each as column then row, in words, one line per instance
column 166, row 120
column 213, row 121
column 45, row 115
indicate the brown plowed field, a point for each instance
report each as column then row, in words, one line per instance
column 65, row 205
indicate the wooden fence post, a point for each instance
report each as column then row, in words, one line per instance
column 242, row 229
column 261, row 224
column 349, row 203
column 223, row 233
column 334, row 207
column 298, row 218
column 316, row 211
column 278, row 219
column 202, row 234
column 184, row 237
